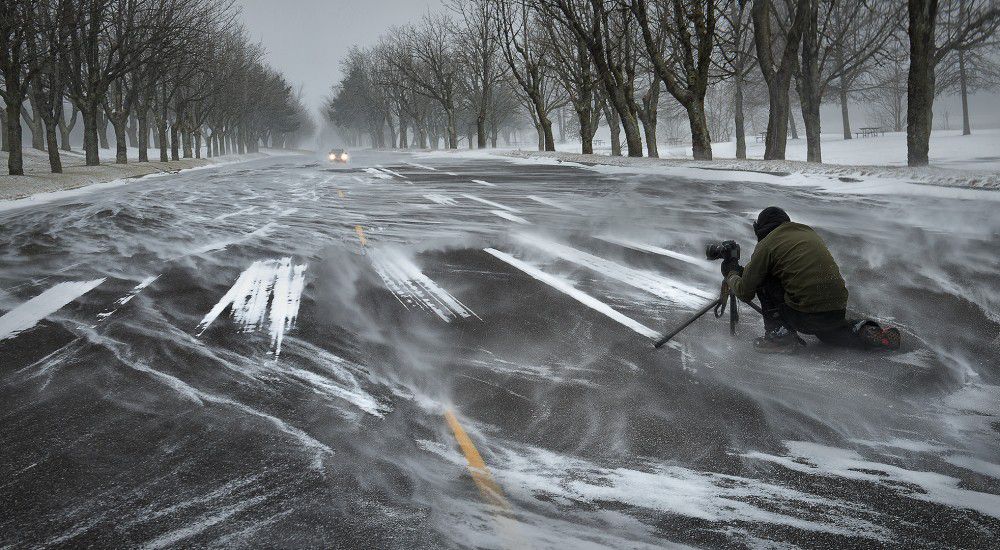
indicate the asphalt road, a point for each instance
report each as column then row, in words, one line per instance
column 408, row 352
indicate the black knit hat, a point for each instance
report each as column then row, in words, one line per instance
column 768, row 219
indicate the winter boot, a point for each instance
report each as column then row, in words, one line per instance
column 781, row 340
column 875, row 337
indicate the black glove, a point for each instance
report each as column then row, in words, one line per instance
column 729, row 265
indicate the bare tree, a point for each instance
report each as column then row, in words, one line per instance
column 777, row 59
column 680, row 38
column 17, row 28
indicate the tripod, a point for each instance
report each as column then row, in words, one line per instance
column 719, row 305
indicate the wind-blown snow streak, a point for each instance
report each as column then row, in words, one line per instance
column 394, row 173
column 412, row 288
column 29, row 313
column 511, row 217
column 642, row 247
column 678, row 293
column 578, row 295
column 421, row 166
column 243, row 212
column 550, row 202
column 441, row 199
column 489, row 203
column 128, row 297
column 265, row 282
column 486, row 183
column 221, row 245
column 816, row 459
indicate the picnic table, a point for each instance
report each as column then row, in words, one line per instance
column 599, row 142
column 762, row 136
column 872, row 131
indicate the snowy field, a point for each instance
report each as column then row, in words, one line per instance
column 949, row 149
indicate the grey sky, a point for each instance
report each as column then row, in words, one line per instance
column 305, row 39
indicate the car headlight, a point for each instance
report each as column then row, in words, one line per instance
column 332, row 156
column 344, row 157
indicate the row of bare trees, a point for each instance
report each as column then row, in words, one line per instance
column 179, row 69
column 460, row 68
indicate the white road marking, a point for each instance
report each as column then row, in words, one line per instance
column 128, row 297
column 441, row 199
column 511, row 217
column 486, row 183
column 578, row 295
column 676, row 292
column 421, row 166
column 655, row 250
column 490, row 203
column 29, row 313
column 552, row 203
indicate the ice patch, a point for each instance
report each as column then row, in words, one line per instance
column 550, row 202
column 816, row 459
column 412, row 288
column 511, row 217
column 265, row 282
column 441, row 199
column 486, row 183
column 675, row 292
column 642, row 247
column 578, row 295
column 29, row 313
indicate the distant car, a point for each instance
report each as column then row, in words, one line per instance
column 338, row 155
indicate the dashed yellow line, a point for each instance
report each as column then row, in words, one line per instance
column 361, row 235
column 488, row 487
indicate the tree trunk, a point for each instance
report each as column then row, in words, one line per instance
column 738, row 122
column 810, row 93
column 481, row 132
column 102, row 129
column 777, row 121
column 161, row 137
column 133, row 138
column 791, row 121
column 845, row 114
column 35, row 125
column 55, row 162
column 197, row 145
column 186, row 142
column 964, row 85
column 15, row 161
column 584, row 114
column 920, row 81
column 548, row 139
column 614, row 126
column 142, row 121
column 701, row 140
column 66, row 128
column 3, row 134
column 91, row 115
column 403, row 128
column 118, row 123
column 649, row 129
column 175, row 142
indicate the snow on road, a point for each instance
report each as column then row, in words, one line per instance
column 642, row 247
column 511, row 217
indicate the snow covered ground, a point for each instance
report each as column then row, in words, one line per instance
column 38, row 181
column 949, row 149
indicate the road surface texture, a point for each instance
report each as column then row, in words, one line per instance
column 410, row 352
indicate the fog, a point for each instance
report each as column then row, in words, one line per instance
column 306, row 39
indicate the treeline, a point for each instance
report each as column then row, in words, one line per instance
column 184, row 71
column 479, row 67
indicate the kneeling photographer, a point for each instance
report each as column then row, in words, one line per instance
column 800, row 288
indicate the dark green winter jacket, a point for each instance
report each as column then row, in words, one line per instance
column 797, row 256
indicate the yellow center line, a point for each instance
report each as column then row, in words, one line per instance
column 488, row 487
column 340, row 192
column 361, row 235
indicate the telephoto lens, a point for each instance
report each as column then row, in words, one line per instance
column 715, row 251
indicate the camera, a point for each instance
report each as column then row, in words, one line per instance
column 724, row 250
